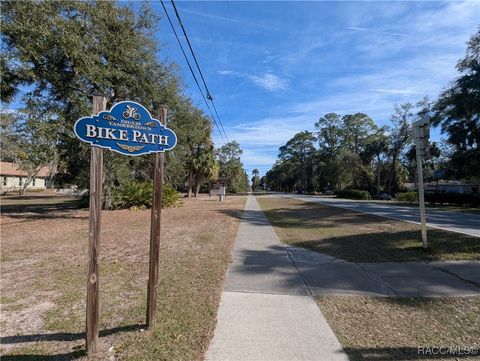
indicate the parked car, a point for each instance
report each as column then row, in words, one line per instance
column 382, row 196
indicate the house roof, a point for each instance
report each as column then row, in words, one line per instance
column 12, row 169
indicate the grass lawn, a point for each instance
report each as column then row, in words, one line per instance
column 438, row 207
column 374, row 329
column 361, row 237
column 44, row 269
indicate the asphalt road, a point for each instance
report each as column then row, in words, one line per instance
column 465, row 223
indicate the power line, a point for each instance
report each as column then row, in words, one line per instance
column 191, row 69
column 209, row 95
column 218, row 116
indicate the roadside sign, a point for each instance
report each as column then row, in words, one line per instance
column 216, row 187
column 128, row 128
column 421, row 132
column 439, row 174
column 221, row 193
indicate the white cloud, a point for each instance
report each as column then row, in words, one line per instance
column 396, row 91
column 269, row 81
column 245, row 23
column 258, row 157
column 375, row 31
column 398, row 58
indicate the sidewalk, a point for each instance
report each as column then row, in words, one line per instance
column 327, row 275
column 266, row 312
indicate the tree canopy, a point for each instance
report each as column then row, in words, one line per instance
column 353, row 152
column 57, row 54
column 457, row 111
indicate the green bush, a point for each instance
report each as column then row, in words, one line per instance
column 460, row 199
column 353, row 194
column 410, row 197
column 170, row 197
column 134, row 194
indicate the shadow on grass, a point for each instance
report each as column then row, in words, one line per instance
column 402, row 353
column 395, row 246
column 64, row 336
column 59, row 336
column 301, row 217
column 56, row 357
column 369, row 246
column 45, row 207
column 426, row 304
column 34, row 196
column 62, row 209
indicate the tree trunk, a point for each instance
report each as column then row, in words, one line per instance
column 198, row 183
column 190, row 184
column 29, row 180
column 378, row 175
column 305, row 181
column 392, row 174
column 197, row 188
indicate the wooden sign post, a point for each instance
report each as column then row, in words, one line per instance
column 155, row 229
column 95, row 220
column 129, row 129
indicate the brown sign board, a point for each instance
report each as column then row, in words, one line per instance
column 215, row 186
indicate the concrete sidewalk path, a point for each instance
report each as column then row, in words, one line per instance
column 266, row 311
column 327, row 275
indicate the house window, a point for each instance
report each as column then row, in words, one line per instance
column 20, row 181
column 33, row 182
column 5, row 181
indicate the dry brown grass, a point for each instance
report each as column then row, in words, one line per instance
column 376, row 329
column 44, row 260
column 361, row 237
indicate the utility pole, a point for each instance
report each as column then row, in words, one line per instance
column 421, row 133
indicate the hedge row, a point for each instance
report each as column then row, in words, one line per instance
column 410, row 197
column 459, row 199
column 352, row 194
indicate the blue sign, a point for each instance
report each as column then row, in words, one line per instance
column 439, row 174
column 128, row 128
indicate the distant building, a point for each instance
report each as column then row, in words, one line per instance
column 450, row 186
column 13, row 178
column 445, row 186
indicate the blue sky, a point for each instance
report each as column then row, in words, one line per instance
column 275, row 67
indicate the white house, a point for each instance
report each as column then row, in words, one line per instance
column 450, row 186
column 13, row 178
column 445, row 186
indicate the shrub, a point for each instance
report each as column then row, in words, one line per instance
column 135, row 194
column 353, row 194
column 410, row 197
column 460, row 199
column 170, row 197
